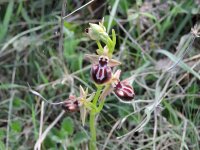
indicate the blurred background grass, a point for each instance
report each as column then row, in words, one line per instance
column 151, row 35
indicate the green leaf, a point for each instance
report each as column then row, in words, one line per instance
column 6, row 20
column 17, row 102
column 7, row 86
column 124, row 110
column 112, row 14
column 172, row 114
column 68, row 125
column 149, row 15
column 74, row 60
column 16, row 126
column 123, row 6
column 58, row 135
column 49, row 143
column 80, row 137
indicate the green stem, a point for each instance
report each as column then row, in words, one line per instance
column 92, row 120
column 92, row 131
column 97, row 95
column 99, row 46
column 100, row 105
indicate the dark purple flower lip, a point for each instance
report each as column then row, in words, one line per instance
column 124, row 92
column 101, row 74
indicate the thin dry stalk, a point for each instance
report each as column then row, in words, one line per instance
column 184, row 133
column 78, row 9
column 110, row 134
column 41, row 122
column 155, row 129
column 44, row 134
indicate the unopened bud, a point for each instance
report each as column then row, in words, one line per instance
column 97, row 32
column 124, row 91
column 70, row 104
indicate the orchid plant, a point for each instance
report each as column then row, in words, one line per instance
column 102, row 76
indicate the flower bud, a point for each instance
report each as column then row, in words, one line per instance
column 71, row 104
column 124, row 92
column 97, row 32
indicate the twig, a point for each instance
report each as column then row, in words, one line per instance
column 44, row 134
column 110, row 133
column 78, row 9
column 41, row 122
column 155, row 129
column 184, row 132
column 39, row 95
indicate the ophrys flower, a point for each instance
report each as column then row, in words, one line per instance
column 101, row 72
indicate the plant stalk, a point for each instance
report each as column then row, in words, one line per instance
column 92, row 131
column 92, row 120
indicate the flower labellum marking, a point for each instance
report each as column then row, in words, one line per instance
column 124, row 92
column 101, row 72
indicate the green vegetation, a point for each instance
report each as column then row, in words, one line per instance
column 158, row 52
